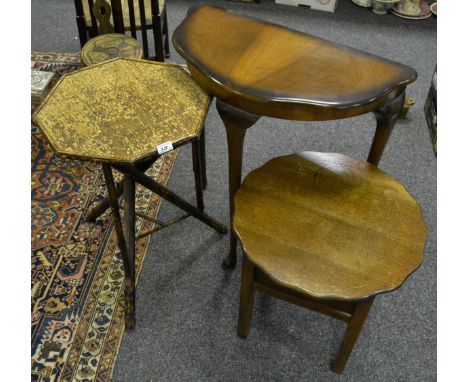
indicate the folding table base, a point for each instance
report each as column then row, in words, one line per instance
column 126, row 231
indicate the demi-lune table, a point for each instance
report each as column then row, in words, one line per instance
column 255, row 68
column 125, row 113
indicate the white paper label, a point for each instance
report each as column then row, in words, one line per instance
column 164, row 147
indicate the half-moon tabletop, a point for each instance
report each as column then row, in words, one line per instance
column 254, row 65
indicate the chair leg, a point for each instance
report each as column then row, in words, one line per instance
column 196, row 160
column 203, row 158
column 246, row 297
column 352, row 333
column 167, row 52
column 158, row 39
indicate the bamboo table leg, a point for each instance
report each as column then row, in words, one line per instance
column 236, row 123
column 203, row 157
column 198, row 173
column 387, row 115
column 114, row 204
column 246, row 297
column 102, row 207
column 151, row 184
column 129, row 232
column 126, row 234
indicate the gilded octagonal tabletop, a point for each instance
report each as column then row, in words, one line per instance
column 121, row 110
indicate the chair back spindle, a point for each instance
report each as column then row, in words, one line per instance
column 94, row 27
column 131, row 16
column 117, row 15
column 144, row 34
column 102, row 12
column 96, row 17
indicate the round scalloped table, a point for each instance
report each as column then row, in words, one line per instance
column 326, row 232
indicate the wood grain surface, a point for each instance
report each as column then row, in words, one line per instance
column 329, row 226
column 127, row 11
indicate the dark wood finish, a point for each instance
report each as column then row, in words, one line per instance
column 330, row 226
column 236, row 123
column 246, row 298
column 328, row 233
column 430, row 111
column 102, row 207
column 126, row 234
column 340, row 310
column 259, row 68
column 94, row 26
column 129, row 287
column 162, row 226
column 142, row 21
column 129, row 232
column 170, row 196
column 200, row 171
column 353, row 313
column 131, row 16
column 146, row 16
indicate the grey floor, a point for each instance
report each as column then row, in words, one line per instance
column 188, row 304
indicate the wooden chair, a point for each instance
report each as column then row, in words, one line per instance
column 326, row 232
column 137, row 16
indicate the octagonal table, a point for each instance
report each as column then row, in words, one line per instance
column 255, row 68
column 125, row 113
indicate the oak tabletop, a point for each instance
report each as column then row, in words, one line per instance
column 267, row 69
column 119, row 111
column 329, row 225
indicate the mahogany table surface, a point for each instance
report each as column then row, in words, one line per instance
column 270, row 70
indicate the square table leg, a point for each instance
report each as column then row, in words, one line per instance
column 149, row 183
column 129, row 233
column 202, row 145
column 102, row 207
column 126, row 232
column 198, row 172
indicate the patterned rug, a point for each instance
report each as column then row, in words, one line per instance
column 76, row 279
